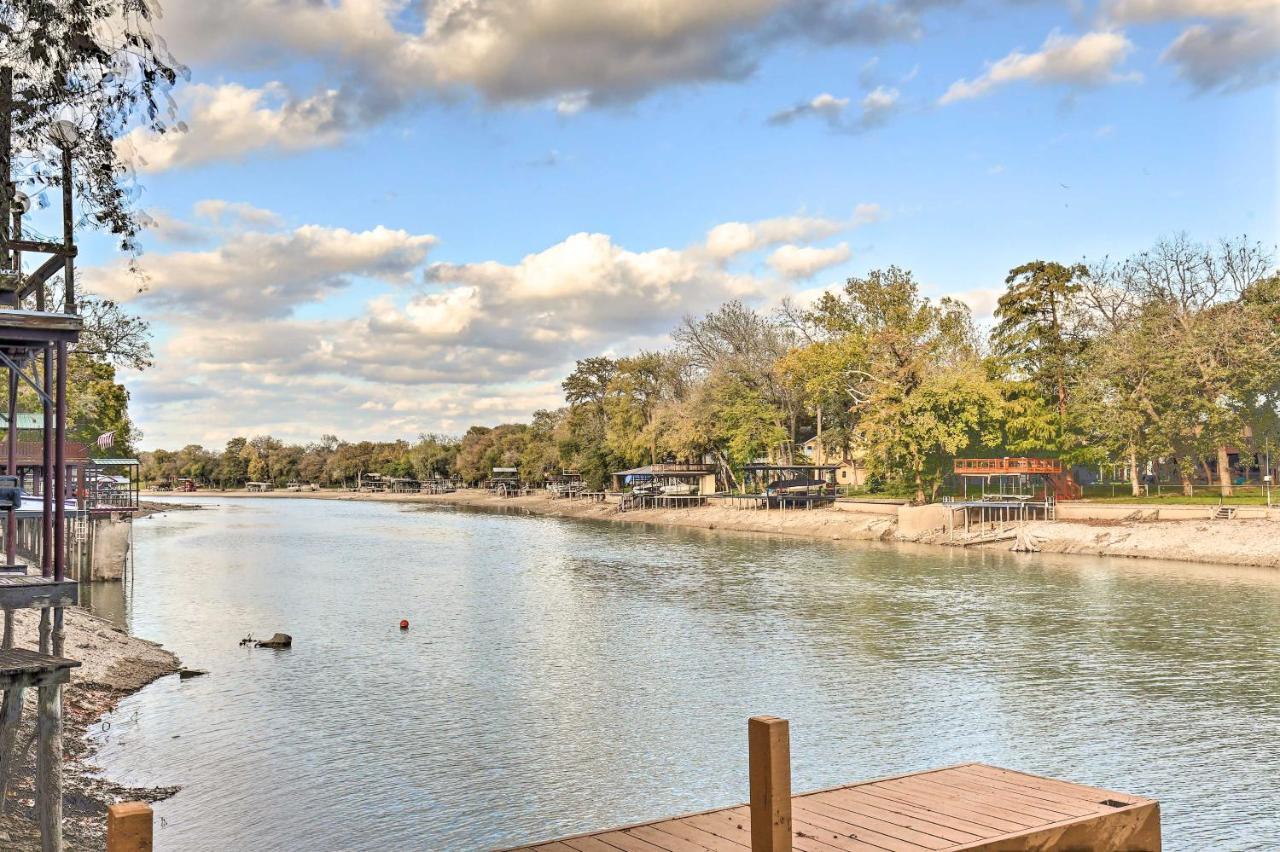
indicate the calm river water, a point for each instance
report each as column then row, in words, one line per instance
column 563, row 676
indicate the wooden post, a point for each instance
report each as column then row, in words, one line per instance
column 10, row 719
column 49, row 767
column 769, row 743
column 129, row 827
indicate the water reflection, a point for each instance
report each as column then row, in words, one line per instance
column 565, row 676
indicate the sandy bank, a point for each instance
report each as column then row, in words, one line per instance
column 1254, row 542
column 114, row 664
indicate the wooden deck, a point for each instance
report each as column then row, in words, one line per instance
column 23, row 591
column 971, row 806
column 29, row 668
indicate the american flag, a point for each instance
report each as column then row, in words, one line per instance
column 106, row 439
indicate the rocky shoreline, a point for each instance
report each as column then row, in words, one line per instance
column 113, row 666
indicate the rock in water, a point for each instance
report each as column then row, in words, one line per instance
column 183, row 674
column 279, row 640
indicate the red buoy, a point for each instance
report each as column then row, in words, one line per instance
column 404, row 624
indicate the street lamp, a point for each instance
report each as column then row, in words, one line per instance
column 64, row 133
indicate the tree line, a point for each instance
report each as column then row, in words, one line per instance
column 1164, row 362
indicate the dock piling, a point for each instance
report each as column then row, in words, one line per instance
column 129, row 827
column 769, row 746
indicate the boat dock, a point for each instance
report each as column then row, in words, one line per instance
column 971, row 806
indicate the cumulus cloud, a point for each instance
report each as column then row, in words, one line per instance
column 795, row 262
column 730, row 239
column 1231, row 54
column 1232, row 44
column 236, row 354
column 1088, row 60
column 229, row 121
column 255, row 274
column 574, row 52
column 237, row 213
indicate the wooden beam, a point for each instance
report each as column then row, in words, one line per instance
column 43, row 273
column 42, row 247
column 769, row 744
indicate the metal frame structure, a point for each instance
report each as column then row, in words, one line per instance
column 34, row 342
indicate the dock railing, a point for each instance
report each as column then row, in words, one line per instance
column 1007, row 466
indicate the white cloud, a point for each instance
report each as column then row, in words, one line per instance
column 825, row 105
column 1232, row 44
column 1227, row 54
column 982, row 301
column 730, row 239
column 805, row 261
column 1085, row 61
column 229, row 121
column 1151, row 11
column 594, row 51
column 876, row 107
column 256, row 274
column 471, row 342
column 235, row 213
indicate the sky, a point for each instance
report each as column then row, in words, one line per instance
column 381, row 218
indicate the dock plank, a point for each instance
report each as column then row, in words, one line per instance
column 848, row 808
column 971, row 807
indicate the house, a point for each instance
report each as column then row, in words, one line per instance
column 851, row 467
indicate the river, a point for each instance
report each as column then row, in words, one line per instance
column 560, row 676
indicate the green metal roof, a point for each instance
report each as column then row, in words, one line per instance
column 26, row 420
column 112, row 462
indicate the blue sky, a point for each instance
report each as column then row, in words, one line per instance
column 370, row 230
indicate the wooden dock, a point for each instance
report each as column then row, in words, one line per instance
column 971, row 806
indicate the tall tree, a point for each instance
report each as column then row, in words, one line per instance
column 1037, row 329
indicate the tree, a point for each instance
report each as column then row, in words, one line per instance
column 1218, row 345
column 895, row 344
column 1037, row 328
column 736, row 341
column 950, row 411
column 100, row 65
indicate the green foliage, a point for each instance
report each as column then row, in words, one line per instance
column 1164, row 359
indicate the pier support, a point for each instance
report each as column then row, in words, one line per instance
column 10, row 719
column 49, row 767
column 129, row 827
column 769, row 744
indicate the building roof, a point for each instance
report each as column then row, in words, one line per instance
column 762, row 466
column 26, row 420
column 668, row 470
column 116, row 462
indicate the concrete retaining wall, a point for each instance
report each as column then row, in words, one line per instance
column 111, row 542
column 917, row 520
column 867, row 507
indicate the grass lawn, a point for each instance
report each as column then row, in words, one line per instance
column 1252, row 497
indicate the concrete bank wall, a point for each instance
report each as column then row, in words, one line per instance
column 868, row 507
column 110, row 541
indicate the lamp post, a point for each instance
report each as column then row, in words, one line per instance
column 65, row 135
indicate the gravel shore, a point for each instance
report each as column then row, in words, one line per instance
column 113, row 665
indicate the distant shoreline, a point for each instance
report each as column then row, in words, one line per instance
column 1252, row 542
